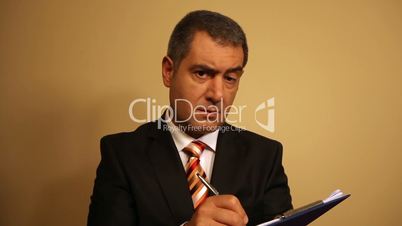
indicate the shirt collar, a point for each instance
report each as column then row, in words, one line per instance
column 182, row 139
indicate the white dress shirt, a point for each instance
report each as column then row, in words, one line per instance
column 181, row 140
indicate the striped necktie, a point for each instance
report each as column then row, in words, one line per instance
column 198, row 190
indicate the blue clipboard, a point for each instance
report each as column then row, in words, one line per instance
column 306, row 214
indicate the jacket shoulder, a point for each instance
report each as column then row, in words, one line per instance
column 126, row 138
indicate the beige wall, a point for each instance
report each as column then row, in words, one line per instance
column 69, row 70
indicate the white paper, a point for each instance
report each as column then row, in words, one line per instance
column 270, row 222
column 334, row 195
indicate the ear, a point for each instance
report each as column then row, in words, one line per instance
column 167, row 71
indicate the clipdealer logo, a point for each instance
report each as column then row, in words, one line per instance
column 153, row 111
column 268, row 107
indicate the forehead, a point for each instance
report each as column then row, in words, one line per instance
column 205, row 50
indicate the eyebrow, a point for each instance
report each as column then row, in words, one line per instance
column 235, row 69
column 210, row 70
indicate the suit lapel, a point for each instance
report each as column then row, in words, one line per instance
column 170, row 174
column 230, row 153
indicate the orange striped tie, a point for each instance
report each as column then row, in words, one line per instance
column 199, row 192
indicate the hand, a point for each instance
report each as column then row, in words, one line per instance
column 219, row 210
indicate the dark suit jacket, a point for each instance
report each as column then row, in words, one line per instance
column 141, row 180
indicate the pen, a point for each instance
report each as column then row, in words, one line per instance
column 208, row 185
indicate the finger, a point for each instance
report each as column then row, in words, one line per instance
column 230, row 202
column 204, row 216
column 228, row 217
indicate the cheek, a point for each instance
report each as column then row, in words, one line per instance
column 193, row 92
column 188, row 93
column 229, row 97
column 183, row 109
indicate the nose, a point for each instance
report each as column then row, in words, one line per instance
column 215, row 90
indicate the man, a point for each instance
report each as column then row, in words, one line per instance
column 149, row 176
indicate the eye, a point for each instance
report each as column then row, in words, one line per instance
column 201, row 74
column 230, row 79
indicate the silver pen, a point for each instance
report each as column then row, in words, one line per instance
column 208, row 185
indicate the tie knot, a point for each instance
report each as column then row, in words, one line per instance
column 195, row 148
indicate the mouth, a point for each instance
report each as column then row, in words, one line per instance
column 212, row 110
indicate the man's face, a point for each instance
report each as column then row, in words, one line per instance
column 204, row 84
